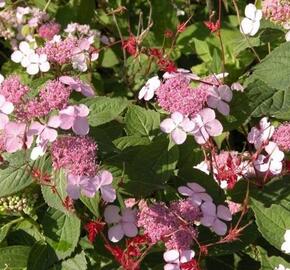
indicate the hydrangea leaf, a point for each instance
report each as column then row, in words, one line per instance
column 140, row 121
column 105, row 109
column 17, row 173
column 275, row 68
column 51, row 198
column 62, row 232
column 14, row 257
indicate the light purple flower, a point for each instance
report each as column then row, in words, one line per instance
column 45, row 134
column 78, row 85
column 195, row 192
column 75, row 117
column 124, row 224
column 77, row 185
column 218, row 98
column 6, row 107
column 259, row 136
column 148, row 90
column 81, row 55
column 206, row 125
column 103, row 181
column 177, row 126
column 2, row 3
column 213, row 217
column 14, row 136
column 174, row 258
column 272, row 162
column 237, row 87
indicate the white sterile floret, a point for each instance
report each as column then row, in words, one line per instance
column 148, row 90
column 251, row 24
column 285, row 247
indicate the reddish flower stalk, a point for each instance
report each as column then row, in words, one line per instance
column 94, row 227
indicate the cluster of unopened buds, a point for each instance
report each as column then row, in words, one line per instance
column 18, row 203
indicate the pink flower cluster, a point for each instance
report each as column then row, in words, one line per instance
column 59, row 52
column 75, row 154
column 13, row 90
column 188, row 106
column 54, row 95
column 176, row 95
column 49, row 30
column 162, row 223
column 281, row 136
column 277, row 10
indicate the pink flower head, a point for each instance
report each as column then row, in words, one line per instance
column 177, row 126
column 277, row 11
column 206, row 125
column 6, row 108
column 77, row 185
column 148, row 90
column 174, row 258
column 176, row 95
column 124, row 224
column 163, row 223
column 103, row 181
column 272, row 162
column 49, row 30
column 259, row 136
column 78, row 85
column 12, row 89
column 14, row 136
column 75, row 117
column 282, row 136
column 213, row 217
column 75, row 154
column 195, row 192
column 59, row 52
column 218, row 98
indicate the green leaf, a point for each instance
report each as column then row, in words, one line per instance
column 105, row 109
column 51, row 198
column 168, row 20
column 76, row 263
column 81, row 11
column 140, row 121
column 17, row 175
column 41, row 256
column 269, row 263
column 276, row 216
column 14, row 257
column 61, row 231
column 108, row 58
column 258, row 100
column 129, row 141
column 6, row 228
column 275, row 68
column 144, row 169
column 92, row 204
